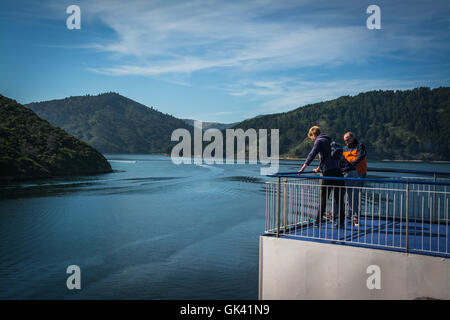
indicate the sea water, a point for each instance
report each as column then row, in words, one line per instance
column 149, row 230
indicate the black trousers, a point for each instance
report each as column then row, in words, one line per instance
column 338, row 189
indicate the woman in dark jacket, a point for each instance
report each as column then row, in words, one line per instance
column 329, row 168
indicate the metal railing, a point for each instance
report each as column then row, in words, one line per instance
column 411, row 215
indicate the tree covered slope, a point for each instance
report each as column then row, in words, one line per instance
column 30, row 147
column 112, row 123
column 412, row 124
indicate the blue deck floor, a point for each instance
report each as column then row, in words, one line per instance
column 423, row 238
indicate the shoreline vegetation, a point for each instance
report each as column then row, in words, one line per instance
column 31, row 148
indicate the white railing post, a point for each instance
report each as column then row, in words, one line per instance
column 407, row 215
column 278, row 206
column 285, row 194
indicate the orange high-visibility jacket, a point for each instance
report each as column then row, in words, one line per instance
column 355, row 153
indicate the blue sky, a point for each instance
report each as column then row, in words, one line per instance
column 221, row 60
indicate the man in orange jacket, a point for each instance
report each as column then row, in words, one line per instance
column 354, row 165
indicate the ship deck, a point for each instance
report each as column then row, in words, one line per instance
column 423, row 237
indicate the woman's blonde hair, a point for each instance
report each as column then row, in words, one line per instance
column 314, row 131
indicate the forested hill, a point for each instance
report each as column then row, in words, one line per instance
column 30, row 147
column 112, row 123
column 404, row 125
column 409, row 125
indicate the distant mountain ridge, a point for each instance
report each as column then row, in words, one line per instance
column 397, row 125
column 211, row 125
column 112, row 123
column 31, row 148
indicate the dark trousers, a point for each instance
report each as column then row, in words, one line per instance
column 337, row 186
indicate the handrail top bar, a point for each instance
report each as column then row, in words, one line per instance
column 404, row 181
column 442, row 173
column 409, row 171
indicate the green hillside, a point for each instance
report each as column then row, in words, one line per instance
column 112, row 123
column 30, row 147
column 404, row 125
column 411, row 124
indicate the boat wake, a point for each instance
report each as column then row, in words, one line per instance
column 123, row 161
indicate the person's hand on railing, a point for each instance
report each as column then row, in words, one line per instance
column 316, row 170
column 301, row 169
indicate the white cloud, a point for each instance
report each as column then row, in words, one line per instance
column 250, row 44
column 161, row 37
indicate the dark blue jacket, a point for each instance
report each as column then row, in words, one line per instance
column 322, row 146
